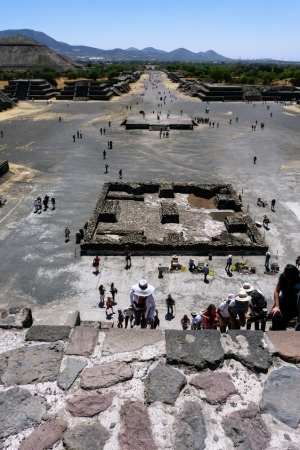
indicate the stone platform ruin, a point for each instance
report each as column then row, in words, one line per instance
column 149, row 121
column 166, row 218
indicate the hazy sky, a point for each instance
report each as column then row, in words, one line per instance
column 233, row 28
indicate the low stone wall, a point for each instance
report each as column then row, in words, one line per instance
column 185, row 389
column 4, row 167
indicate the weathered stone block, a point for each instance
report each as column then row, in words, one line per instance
column 247, row 347
column 132, row 434
column 190, row 428
column 67, row 377
column 281, row 395
column 45, row 435
column 19, row 410
column 84, row 437
column 30, row 364
column 239, row 426
column 56, row 317
column 47, row 333
column 217, row 386
column 15, row 318
column 121, row 340
column 201, row 349
column 105, row 375
column 83, row 341
column 286, row 344
column 164, row 384
column 89, row 405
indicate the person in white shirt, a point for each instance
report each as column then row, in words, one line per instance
column 197, row 319
column 143, row 303
column 223, row 313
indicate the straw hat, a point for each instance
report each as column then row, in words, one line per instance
column 143, row 288
column 242, row 296
column 230, row 297
column 193, row 313
column 247, row 287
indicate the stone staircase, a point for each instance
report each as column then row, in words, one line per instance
column 35, row 89
column 6, row 102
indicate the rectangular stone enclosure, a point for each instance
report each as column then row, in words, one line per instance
column 183, row 218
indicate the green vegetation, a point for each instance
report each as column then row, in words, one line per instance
column 241, row 73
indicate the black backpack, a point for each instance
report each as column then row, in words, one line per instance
column 258, row 300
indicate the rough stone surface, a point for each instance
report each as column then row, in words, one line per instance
column 89, row 405
column 30, row 364
column 190, row 428
column 105, row 375
column 15, row 318
column 19, row 410
column 217, row 386
column 286, row 345
column 248, row 348
column 45, row 435
column 56, row 317
column 47, row 333
column 164, row 384
column 83, row 341
column 118, row 340
column 136, row 431
column 200, row 349
column 85, row 437
column 246, row 429
column 67, row 377
column 281, row 396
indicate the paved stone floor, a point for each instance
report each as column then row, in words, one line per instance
column 39, row 270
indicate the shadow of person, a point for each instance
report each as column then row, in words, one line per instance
column 169, row 316
column 229, row 274
column 109, row 316
column 101, row 304
column 96, row 272
column 206, row 281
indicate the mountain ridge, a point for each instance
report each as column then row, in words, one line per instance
column 82, row 51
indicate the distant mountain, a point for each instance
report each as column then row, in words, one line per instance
column 117, row 54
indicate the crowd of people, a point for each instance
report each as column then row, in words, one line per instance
column 250, row 306
column 39, row 204
column 234, row 312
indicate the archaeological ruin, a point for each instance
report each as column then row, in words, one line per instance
column 167, row 218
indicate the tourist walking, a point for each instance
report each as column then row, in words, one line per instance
column 185, row 322
column 128, row 315
column 106, row 168
column 206, row 272
column 67, row 234
column 113, row 291
column 267, row 261
column 120, row 174
column 53, row 202
column 96, row 263
column 228, row 263
column 120, row 318
column 102, row 293
column 127, row 254
column 273, row 204
column 254, row 159
column 104, row 154
column 109, row 305
column 170, row 303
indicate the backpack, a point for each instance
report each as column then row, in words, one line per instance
column 140, row 305
column 258, row 300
